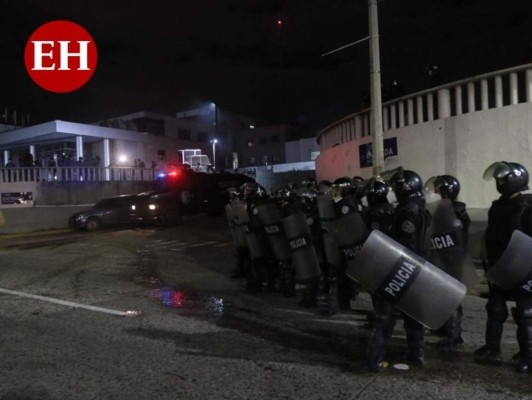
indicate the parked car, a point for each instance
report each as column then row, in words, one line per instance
column 107, row 212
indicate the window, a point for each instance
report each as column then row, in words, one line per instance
column 203, row 137
column 314, row 155
column 276, row 159
column 251, row 160
column 275, row 139
column 263, row 140
column 264, row 160
column 251, row 143
column 183, row 134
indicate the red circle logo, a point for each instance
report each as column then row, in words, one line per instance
column 60, row 56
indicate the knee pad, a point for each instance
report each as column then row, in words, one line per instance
column 497, row 312
column 522, row 313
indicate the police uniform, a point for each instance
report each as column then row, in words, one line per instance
column 512, row 211
column 505, row 216
column 409, row 226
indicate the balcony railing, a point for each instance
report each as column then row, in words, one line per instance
column 482, row 92
column 76, row 174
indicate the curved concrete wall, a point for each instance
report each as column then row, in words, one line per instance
column 463, row 146
column 457, row 129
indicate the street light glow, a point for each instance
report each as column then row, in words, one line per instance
column 214, row 141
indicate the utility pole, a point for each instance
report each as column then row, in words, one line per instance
column 375, row 90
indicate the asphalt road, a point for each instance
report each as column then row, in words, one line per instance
column 152, row 314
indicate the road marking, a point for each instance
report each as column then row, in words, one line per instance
column 335, row 321
column 223, row 244
column 201, row 244
column 69, row 303
column 164, row 243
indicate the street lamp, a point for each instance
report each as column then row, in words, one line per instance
column 214, row 141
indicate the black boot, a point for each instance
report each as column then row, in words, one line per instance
column 287, row 282
column 523, row 319
column 453, row 331
column 242, row 264
column 323, row 294
column 329, row 303
column 310, row 294
column 415, row 337
column 255, row 277
column 376, row 349
column 383, row 323
column 490, row 353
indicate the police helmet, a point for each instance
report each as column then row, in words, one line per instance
column 376, row 192
column 405, row 183
column 324, row 186
column 310, row 183
column 235, row 193
column 252, row 190
column 447, row 186
column 510, row 177
column 342, row 185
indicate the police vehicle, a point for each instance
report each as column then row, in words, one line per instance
column 181, row 191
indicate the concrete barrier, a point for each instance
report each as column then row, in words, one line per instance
column 33, row 219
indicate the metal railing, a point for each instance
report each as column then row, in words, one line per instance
column 76, row 174
column 482, row 92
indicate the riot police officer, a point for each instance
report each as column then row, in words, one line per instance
column 260, row 270
column 409, row 226
column 307, row 195
column 379, row 217
column 241, row 250
column 380, row 210
column 448, row 187
column 341, row 286
column 511, row 211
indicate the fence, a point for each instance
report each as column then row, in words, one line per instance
column 76, row 174
column 492, row 90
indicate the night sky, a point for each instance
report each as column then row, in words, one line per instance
column 166, row 56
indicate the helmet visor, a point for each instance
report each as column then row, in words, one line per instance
column 497, row 170
column 430, row 185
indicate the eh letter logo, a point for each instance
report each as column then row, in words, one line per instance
column 60, row 56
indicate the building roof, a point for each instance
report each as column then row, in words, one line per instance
column 57, row 130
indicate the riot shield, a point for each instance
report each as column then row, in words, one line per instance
column 412, row 284
column 237, row 234
column 513, row 271
column 243, row 222
column 302, row 249
column 271, row 218
column 239, row 214
column 349, row 232
column 447, row 244
column 327, row 214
